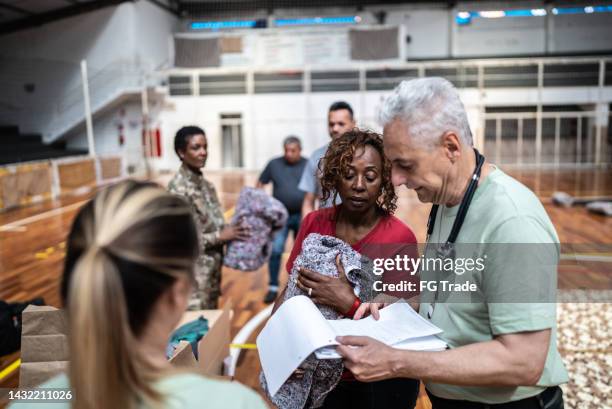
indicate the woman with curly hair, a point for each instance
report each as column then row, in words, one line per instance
column 357, row 170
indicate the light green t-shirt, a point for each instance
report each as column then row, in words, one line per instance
column 514, row 278
column 183, row 391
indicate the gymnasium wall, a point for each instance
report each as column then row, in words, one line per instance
column 429, row 32
column 267, row 119
column 124, row 42
column 35, row 182
column 117, row 42
column 117, row 131
column 580, row 33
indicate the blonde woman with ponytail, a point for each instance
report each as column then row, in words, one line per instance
column 127, row 280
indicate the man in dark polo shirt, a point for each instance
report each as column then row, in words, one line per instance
column 284, row 172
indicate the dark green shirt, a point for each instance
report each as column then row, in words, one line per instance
column 285, row 178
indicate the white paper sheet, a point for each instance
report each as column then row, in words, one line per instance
column 397, row 322
column 428, row 343
column 298, row 329
column 399, row 326
column 294, row 332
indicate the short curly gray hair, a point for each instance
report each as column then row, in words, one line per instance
column 430, row 107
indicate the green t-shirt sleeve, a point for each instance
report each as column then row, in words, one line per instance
column 253, row 401
column 520, row 277
column 224, row 394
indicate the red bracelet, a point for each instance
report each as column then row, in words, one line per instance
column 353, row 309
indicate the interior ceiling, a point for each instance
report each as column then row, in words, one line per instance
column 17, row 15
column 203, row 7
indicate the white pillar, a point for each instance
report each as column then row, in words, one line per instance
column 145, row 129
column 88, row 122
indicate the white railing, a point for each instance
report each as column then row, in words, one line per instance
column 485, row 81
column 468, row 73
column 510, row 146
column 106, row 85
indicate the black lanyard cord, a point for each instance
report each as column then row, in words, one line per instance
column 463, row 207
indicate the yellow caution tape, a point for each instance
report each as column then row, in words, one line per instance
column 243, row 346
column 10, row 369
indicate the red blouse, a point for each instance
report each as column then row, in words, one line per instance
column 388, row 239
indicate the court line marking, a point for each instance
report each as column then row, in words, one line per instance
column 14, row 228
column 244, row 333
column 243, row 346
column 10, row 369
column 18, row 225
column 604, row 258
column 38, row 217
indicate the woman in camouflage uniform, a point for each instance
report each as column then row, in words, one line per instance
column 192, row 148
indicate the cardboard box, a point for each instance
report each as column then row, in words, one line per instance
column 44, row 350
column 44, row 345
column 32, row 374
column 44, row 320
column 213, row 348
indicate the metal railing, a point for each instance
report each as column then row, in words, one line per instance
column 543, row 138
column 469, row 73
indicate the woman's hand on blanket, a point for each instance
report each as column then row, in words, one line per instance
column 336, row 292
column 369, row 360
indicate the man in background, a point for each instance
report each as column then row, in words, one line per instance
column 284, row 172
column 339, row 120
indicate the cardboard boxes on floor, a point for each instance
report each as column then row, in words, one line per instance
column 44, row 344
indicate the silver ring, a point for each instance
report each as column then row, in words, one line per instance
column 310, row 292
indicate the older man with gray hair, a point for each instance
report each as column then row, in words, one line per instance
column 284, row 173
column 501, row 337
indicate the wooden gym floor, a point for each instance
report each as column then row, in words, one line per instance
column 32, row 249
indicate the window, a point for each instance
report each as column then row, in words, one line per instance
column 222, row 84
column 180, row 85
column 571, row 75
column 388, row 79
column 324, row 81
column 461, row 77
column 511, row 76
column 278, row 82
column 231, row 140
